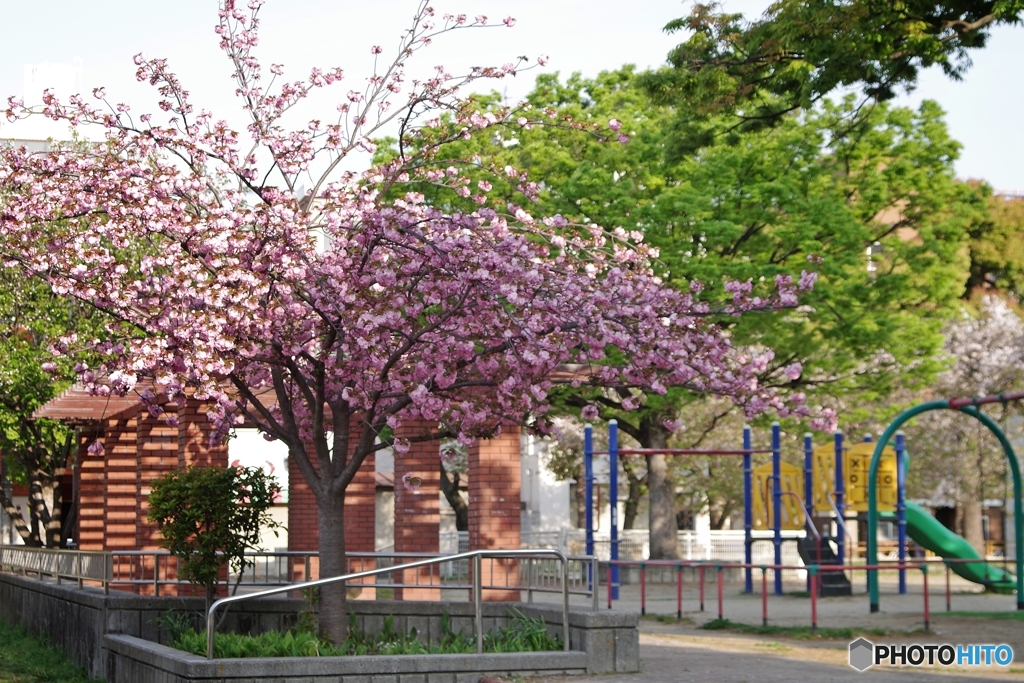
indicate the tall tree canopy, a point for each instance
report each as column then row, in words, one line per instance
column 876, row 212
column 800, row 51
column 997, row 246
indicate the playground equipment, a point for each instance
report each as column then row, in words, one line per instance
column 981, row 572
column 837, row 478
column 772, row 486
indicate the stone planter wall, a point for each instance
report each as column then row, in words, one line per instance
column 133, row 660
column 114, row 636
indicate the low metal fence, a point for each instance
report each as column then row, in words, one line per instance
column 814, row 574
column 158, row 569
column 60, row 565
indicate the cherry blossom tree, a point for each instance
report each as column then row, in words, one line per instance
column 953, row 457
column 332, row 317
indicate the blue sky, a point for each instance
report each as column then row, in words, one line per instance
column 578, row 35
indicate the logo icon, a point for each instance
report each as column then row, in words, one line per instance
column 862, row 654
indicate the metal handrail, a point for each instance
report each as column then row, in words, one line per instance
column 808, row 522
column 839, row 517
column 477, row 556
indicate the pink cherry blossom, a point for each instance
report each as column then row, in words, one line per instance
column 331, row 316
column 411, row 482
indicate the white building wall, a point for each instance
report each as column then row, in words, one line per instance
column 248, row 447
column 545, row 500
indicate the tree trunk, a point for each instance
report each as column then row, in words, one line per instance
column 718, row 519
column 18, row 521
column 636, row 492
column 450, row 488
column 331, row 524
column 54, row 525
column 969, row 505
column 664, row 533
column 972, row 524
column 581, row 496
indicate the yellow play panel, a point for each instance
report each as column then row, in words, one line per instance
column 856, row 464
column 791, row 479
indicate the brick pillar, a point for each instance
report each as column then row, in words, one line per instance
column 157, row 453
column 361, row 516
column 194, row 430
column 494, row 495
column 303, row 525
column 92, row 499
column 417, row 514
column 121, row 484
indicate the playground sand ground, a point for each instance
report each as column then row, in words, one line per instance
column 680, row 652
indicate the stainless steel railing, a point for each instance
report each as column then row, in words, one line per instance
column 477, row 556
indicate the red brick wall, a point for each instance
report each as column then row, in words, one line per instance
column 194, row 430
column 91, row 493
column 494, row 516
column 417, row 514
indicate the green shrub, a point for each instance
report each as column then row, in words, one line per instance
column 210, row 516
column 522, row 634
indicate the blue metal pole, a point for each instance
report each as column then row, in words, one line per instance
column 867, row 575
column 613, row 499
column 901, row 507
column 809, row 487
column 777, row 501
column 840, row 491
column 588, row 476
column 748, row 509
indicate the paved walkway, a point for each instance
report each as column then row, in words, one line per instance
column 682, row 652
column 734, row 659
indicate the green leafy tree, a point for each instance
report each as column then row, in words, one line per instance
column 799, row 51
column 997, row 246
column 210, row 516
column 877, row 214
column 36, row 452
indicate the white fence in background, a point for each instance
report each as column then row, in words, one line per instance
column 634, row 544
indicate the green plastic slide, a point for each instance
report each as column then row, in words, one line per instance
column 929, row 533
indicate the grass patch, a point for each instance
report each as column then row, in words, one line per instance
column 522, row 634
column 774, row 646
column 28, row 659
column 796, row 632
column 799, row 594
column 666, row 619
column 1012, row 616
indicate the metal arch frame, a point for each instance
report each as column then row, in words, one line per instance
column 968, row 406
